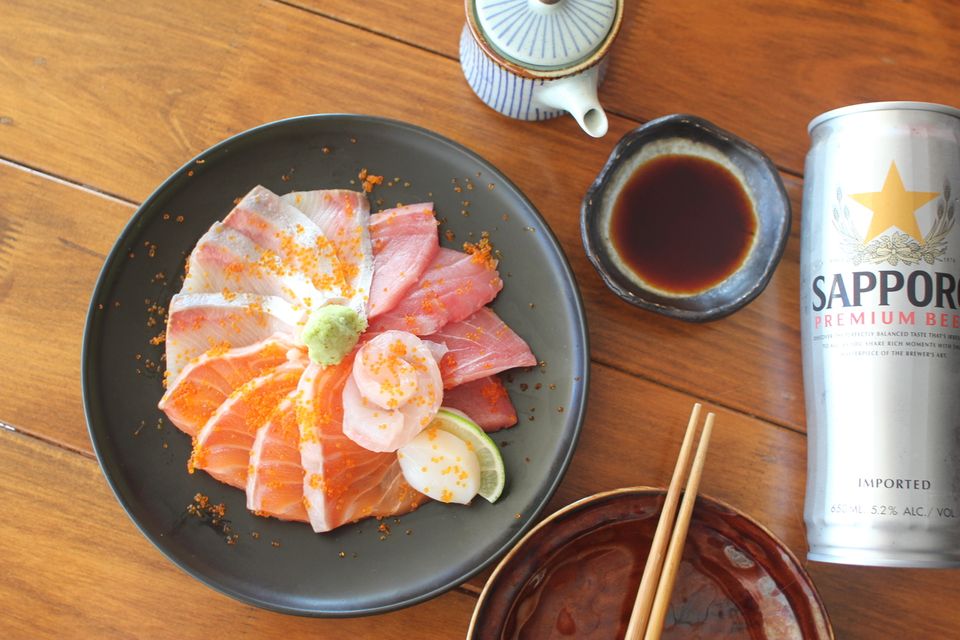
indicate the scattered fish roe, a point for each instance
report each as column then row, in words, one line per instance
column 481, row 251
column 213, row 515
column 369, row 180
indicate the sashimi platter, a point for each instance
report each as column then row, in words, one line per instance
column 335, row 365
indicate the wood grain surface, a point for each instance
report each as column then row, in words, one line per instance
column 82, row 570
column 99, row 102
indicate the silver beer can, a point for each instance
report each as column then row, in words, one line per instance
column 880, row 331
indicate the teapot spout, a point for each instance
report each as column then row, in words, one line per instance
column 577, row 95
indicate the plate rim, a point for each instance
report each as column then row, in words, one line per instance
column 88, row 383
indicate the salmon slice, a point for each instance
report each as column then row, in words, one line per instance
column 344, row 218
column 405, row 242
column 199, row 322
column 284, row 231
column 222, row 446
column 480, row 346
column 225, row 260
column 452, row 288
column 485, row 401
column 343, row 482
column 206, row 382
column 275, row 477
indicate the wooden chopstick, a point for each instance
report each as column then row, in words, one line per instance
column 672, row 563
column 659, row 573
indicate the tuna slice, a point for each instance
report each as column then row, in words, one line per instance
column 300, row 245
column 275, row 477
column 199, row 322
column 480, row 346
column 222, row 446
column 226, row 260
column 343, row 482
column 452, row 288
column 344, row 218
column 404, row 244
column 205, row 383
column 394, row 392
column 485, row 401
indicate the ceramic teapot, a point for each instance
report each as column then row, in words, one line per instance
column 535, row 59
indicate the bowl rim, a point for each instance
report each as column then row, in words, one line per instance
column 641, row 296
column 651, row 490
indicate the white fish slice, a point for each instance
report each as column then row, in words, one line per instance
column 198, row 322
column 227, row 260
column 295, row 239
column 344, row 218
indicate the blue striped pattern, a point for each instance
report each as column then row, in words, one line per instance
column 567, row 32
column 503, row 91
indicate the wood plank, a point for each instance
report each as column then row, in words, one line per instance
column 79, row 568
column 632, row 434
column 631, row 437
column 154, row 83
column 873, row 602
column 60, row 282
column 753, row 456
column 126, row 84
column 761, row 70
column 735, row 368
column 53, row 240
column 437, row 30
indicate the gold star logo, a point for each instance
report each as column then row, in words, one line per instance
column 893, row 206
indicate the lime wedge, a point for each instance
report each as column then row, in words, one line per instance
column 492, row 474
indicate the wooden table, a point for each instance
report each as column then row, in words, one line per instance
column 100, row 101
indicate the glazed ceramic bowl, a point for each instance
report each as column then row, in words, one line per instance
column 576, row 574
column 689, row 135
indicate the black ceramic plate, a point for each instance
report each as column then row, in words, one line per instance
column 357, row 569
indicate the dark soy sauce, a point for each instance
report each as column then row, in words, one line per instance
column 682, row 223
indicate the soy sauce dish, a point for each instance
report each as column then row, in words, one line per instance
column 576, row 575
column 686, row 219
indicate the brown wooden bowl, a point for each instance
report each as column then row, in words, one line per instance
column 577, row 572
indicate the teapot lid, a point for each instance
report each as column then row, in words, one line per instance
column 545, row 34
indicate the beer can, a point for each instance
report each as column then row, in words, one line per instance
column 880, row 331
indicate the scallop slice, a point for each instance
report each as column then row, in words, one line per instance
column 441, row 465
column 393, row 393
